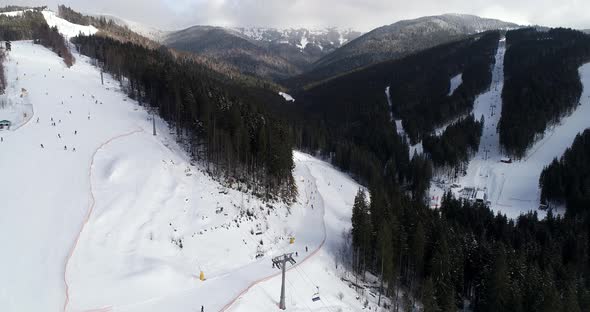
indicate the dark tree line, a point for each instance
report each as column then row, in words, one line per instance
column 31, row 25
column 52, row 39
column 225, row 125
column 72, row 16
column 2, row 75
column 462, row 253
column 13, row 8
column 542, row 84
column 567, row 180
column 21, row 27
column 456, row 144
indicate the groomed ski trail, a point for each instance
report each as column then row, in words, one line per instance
column 88, row 214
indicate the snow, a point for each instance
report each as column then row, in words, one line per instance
column 66, row 28
column 287, row 97
column 100, row 228
column 335, row 198
column 45, row 198
column 513, row 189
column 388, row 96
column 456, row 81
column 303, row 43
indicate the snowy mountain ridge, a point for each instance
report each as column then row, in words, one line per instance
column 327, row 38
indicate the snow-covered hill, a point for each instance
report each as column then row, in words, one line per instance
column 100, row 214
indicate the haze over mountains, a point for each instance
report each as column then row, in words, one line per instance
column 302, row 56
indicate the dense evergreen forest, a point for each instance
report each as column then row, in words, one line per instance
column 419, row 86
column 12, row 8
column 567, row 180
column 225, row 125
column 31, row 25
column 21, row 27
column 462, row 254
column 455, row 145
column 348, row 118
column 542, row 84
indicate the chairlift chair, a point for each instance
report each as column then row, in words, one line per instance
column 316, row 295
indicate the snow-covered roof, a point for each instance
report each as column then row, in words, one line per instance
column 480, row 195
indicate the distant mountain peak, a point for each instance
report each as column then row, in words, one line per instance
column 399, row 39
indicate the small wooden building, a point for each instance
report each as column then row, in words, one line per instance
column 5, row 124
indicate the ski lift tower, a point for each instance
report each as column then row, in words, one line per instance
column 281, row 263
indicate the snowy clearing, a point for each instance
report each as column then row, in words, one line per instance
column 287, row 97
column 456, row 81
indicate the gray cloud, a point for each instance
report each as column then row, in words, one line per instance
column 358, row 14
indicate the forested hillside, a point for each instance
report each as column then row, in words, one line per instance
column 223, row 124
column 542, row 83
column 395, row 41
column 567, row 180
column 419, row 86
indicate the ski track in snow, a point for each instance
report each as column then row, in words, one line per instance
column 88, row 214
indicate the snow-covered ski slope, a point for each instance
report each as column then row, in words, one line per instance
column 101, row 227
column 44, row 191
column 67, row 29
column 320, row 271
column 513, row 189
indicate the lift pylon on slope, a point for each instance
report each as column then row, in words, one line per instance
column 281, row 263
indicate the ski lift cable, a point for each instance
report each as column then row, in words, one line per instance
column 296, row 294
column 309, row 281
column 316, row 285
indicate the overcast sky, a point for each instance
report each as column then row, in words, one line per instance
column 362, row 15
